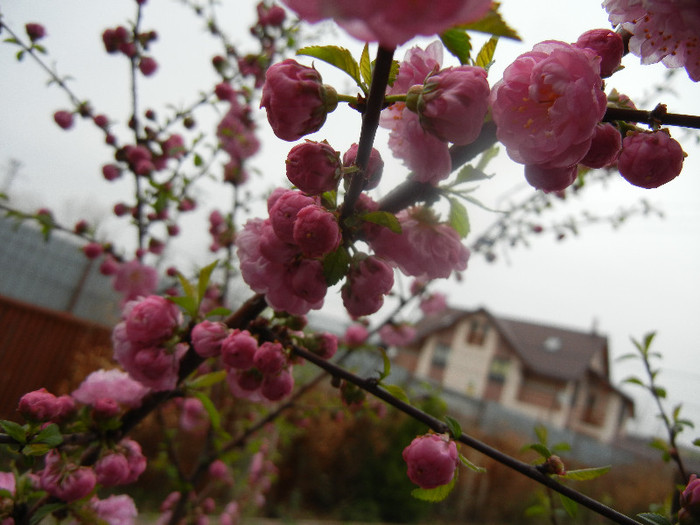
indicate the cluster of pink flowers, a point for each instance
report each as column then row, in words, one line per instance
column 432, row 460
column 43, row 406
column 121, row 465
column 662, row 30
column 392, row 22
column 121, row 40
column 281, row 256
column 144, row 342
column 443, row 106
column 236, row 134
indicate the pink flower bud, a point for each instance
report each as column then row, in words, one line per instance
column 207, row 337
column 607, row 45
column 111, row 470
column 275, row 387
column 356, row 334
column 690, row 502
column 151, row 319
column 313, row 167
column 284, row 212
column 219, row 471
column 39, row 405
column 550, row 179
column 324, row 345
column 308, row 281
column 605, row 147
column 431, row 460
column 111, row 171
column 375, row 166
column 452, row 104
column 238, row 349
column 296, row 100
column 367, row 283
column 650, row 159
column 64, row 119
column 35, row 31
column 270, row 358
column 272, row 15
column 316, row 231
column 92, row 250
column 66, row 482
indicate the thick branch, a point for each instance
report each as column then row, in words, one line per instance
column 657, row 116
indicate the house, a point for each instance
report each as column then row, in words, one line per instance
column 555, row 376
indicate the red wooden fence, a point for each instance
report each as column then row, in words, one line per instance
column 41, row 348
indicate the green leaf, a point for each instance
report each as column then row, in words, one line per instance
column 20, row 55
column 335, row 56
column 198, row 161
column 335, row 265
column 659, row 392
column 14, row 430
column 187, row 286
column 397, row 392
column 383, row 218
column 454, row 426
column 36, row 449
column 633, row 381
column 469, row 173
column 43, row 511
column 652, row 518
column 365, row 65
column 586, row 474
column 436, row 494
column 493, row 24
column 220, row 311
column 471, row 466
column 541, row 449
column 209, row 379
column 486, row 157
column 485, row 57
column 624, row 357
column 458, row 42
column 458, row 218
column 188, row 304
column 203, row 282
column 541, row 433
column 50, row 435
column 387, row 365
column 696, row 442
column 213, row 413
column 570, row 506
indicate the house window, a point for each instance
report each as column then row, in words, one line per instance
column 477, row 333
column 440, row 355
column 499, row 369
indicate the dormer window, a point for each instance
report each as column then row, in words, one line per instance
column 477, row 333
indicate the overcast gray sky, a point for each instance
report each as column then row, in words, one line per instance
column 628, row 282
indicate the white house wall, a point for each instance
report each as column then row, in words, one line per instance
column 468, row 365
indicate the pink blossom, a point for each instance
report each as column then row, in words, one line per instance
column 284, row 212
column 650, row 159
column 425, row 248
column 38, row 405
column 66, row 482
column 218, row 470
column 662, row 30
column 550, row 179
column 236, row 132
column 7, row 482
column 276, row 386
column 368, row 281
column 397, row 334
column 111, row 171
column 431, row 460
column 605, row 146
column 230, row 515
column 607, row 45
column 64, row 119
column 245, row 384
column 115, row 510
column 134, row 457
column 548, row 103
column 134, row 279
column 375, row 166
column 355, row 335
column 313, row 167
column 324, row 345
column 111, row 384
column 296, row 100
column 391, row 22
column 690, row 501
column 173, row 147
column 434, row 304
column 272, row 15
column 238, row 349
column 207, row 337
column 35, row 31
column 151, row 319
column 194, row 417
column 308, row 281
column 148, row 66
column 104, row 408
column 316, row 231
column 270, row 358
column 452, row 104
column 112, row 469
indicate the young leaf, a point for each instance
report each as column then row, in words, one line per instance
column 209, row 379
column 493, row 24
column 458, row 43
column 541, row 433
column 585, row 474
column 187, row 286
column 204, row 276
column 397, row 392
column 213, row 413
column 485, row 57
column 541, row 449
column 14, row 430
column 469, row 173
column 335, row 56
column 458, row 218
column 454, row 426
column 436, row 494
column 188, row 304
column 471, row 466
column 383, row 218
column 651, row 518
column 696, row 442
column 365, row 65
column 44, row 511
column 36, row 449
column 387, row 365
column 50, row 435
column 570, row 506
column 633, row 381
column 335, row 265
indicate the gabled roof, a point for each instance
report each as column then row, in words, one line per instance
column 551, row 351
